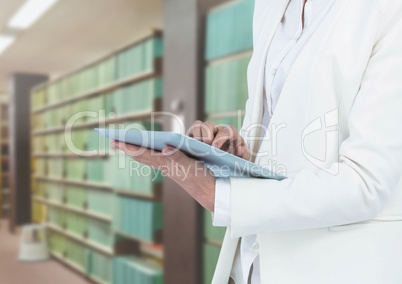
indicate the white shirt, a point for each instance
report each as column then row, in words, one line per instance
column 288, row 42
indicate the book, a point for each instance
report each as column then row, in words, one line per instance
column 136, row 270
column 139, row 218
column 229, row 29
column 226, row 85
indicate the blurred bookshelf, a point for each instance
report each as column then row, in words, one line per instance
column 228, row 50
column 104, row 220
column 5, row 160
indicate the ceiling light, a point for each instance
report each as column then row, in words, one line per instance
column 30, row 12
column 5, row 42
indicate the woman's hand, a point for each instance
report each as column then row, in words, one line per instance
column 191, row 175
column 226, row 138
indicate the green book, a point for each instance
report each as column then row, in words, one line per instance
column 211, row 233
column 229, row 29
column 226, row 86
column 54, row 191
column 211, row 255
column 100, row 201
column 76, row 196
column 100, row 232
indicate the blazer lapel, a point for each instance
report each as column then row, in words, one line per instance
column 289, row 93
column 293, row 107
column 267, row 16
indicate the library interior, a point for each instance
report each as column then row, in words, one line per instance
column 69, row 66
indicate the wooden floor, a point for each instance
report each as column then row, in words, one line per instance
column 14, row 272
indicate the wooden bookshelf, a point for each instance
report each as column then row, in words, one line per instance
column 4, row 158
column 65, row 155
column 43, row 179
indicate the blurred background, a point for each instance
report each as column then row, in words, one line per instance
column 110, row 63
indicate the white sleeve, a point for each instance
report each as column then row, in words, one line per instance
column 369, row 168
column 221, row 215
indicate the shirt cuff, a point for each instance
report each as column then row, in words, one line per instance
column 221, row 215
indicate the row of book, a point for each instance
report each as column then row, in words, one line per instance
column 130, row 100
column 76, row 253
column 226, row 85
column 131, row 270
column 99, row 266
column 94, row 230
column 138, row 218
column 229, row 42
column 116, row 270
column 136, row 98
column 229, row 29
column 120, row 172
column 128, row 175
column 75, row 141
column 139, row 58
column 96, row 265
column 133, row 61
column 89, row 199
column 78, row 140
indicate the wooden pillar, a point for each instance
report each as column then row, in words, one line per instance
column 184, row 33
column 20, row 161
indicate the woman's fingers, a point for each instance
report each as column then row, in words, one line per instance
column 195, row 130
column 203, row 131
column 226, row 138
column 208, row 131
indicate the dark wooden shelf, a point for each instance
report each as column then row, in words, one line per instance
column 152, row 250
column 141, row 240
column 75, row 182
column 157, row 196
column 67, row 155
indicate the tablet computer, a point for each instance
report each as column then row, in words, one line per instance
column 221, row 163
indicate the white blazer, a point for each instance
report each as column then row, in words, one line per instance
column 340, row 141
